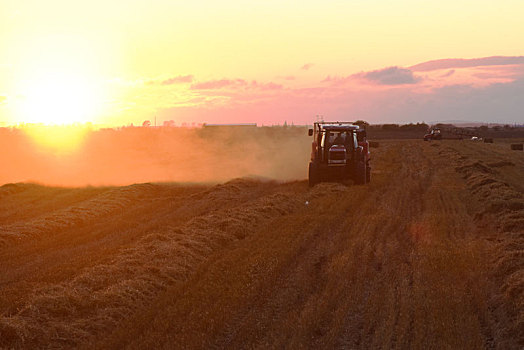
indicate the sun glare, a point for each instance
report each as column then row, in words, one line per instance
column 57, row 139
column 53, row 108
column 58, row 98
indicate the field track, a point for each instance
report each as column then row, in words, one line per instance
column 428, row 255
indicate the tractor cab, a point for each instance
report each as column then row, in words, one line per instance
column 335, row 144
column 336, row 150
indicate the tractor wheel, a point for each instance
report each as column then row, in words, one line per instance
column 314, row 175
column 360, row 175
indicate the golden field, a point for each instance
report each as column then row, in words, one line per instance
column 428, row 255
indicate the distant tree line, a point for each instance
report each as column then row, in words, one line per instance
column 417, row 130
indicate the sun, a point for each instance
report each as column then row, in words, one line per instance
column 55, row 106
column 58, row 98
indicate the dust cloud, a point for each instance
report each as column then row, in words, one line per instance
column 168, row 154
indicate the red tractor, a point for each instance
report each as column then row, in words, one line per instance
column 340, row 151
column 434, row 134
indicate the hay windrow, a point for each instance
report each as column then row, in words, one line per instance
column 99, row 297
column 502, row 207
column 106, row 203
column 113, row 202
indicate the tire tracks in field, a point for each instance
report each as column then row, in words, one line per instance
column 304, row 284
column 389, row 246
column 260, row 281
column 360, row 268
column 406, row 302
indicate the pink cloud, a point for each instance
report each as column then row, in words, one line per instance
column 391, row 76
column 448, row 73
column 479, row 76
column 218, row 84
column 307, row 66
column 266, row 86
column 336, row 80
column 181, row 79
column 464, row 63
column 235, row 84
column 392, row 94
column 495, row 103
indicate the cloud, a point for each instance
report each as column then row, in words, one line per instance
column 266, row 86
column 500, row 102
column 434, row 99
column 181, row 79
column 465, row 63
column 235, row 84
column 393, row 94
column 307, row 66
column 391, row 76
column 217, row 84
column 178, row 80
column 287, row 77
column 448, row 73
column 337, row 80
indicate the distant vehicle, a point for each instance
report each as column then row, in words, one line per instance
column 434, row 134
column 340, row 151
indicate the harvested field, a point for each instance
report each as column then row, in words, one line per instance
column 430, row 254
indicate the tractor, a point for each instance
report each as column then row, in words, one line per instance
column 434, row 134
column 340, row 151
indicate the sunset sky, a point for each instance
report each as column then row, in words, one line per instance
column 121, row 62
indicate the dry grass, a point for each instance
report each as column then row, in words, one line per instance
column 495, row 179
column 428, row 255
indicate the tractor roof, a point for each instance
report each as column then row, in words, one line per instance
column 337, row 126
